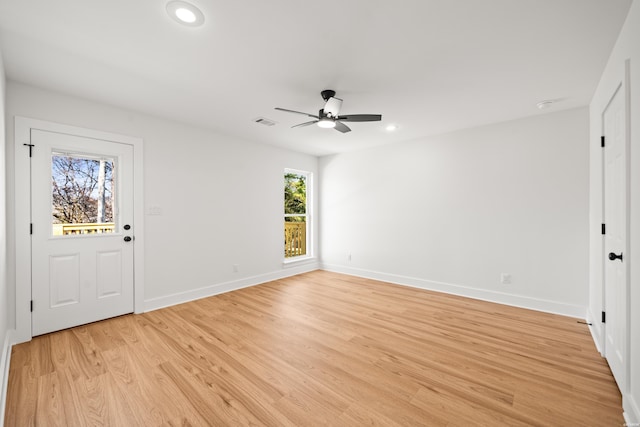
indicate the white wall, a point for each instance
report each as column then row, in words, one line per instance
column 3, row 217
column 4, row 295
column 221, row 199
column 453, row 212
column 626, row 48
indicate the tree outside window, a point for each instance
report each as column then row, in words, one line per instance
column 82, row 195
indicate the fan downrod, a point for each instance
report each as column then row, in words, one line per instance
column 328, row 93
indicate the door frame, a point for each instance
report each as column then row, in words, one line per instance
column 22, row 135
column 621, row 86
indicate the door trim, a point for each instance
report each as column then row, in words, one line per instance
column 23, row 126
column 623, row 87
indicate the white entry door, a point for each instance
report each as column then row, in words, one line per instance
column 615, row 239
column 82, row 235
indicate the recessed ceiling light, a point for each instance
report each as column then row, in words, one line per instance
column 391, row 128
column 185, row 13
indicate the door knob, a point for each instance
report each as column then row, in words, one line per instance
column 127, row 238
column 614, row 257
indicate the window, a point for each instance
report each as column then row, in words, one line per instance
column 82, row 195
column 296, row 214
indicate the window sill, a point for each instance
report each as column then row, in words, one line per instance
column 290, row 262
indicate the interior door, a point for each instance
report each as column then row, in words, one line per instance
column 82, row 230
column 615, row 240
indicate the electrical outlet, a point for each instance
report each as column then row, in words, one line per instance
column 349, row 257
column 236, row 268
column 505, row 278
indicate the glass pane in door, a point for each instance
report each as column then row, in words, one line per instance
column 82, row 195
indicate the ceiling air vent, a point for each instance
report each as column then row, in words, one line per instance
column 264, row 121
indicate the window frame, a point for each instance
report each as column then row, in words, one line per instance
column 308, row 215
column 114, row 188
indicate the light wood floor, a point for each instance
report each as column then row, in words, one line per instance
column 317, row 349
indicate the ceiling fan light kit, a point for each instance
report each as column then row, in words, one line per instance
column 326, row 123
column 329, row 116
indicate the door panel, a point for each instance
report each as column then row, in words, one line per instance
column 64, row 279
column 109, row 275
column 615, row 280
column 82, row 195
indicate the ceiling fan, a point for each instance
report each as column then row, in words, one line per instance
column 328, row 117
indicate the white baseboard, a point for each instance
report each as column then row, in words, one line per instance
column 631, row 410
column 5, row 360
column 465, row 291
column 219, row 288
column 595, row 328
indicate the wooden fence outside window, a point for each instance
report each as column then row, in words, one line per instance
column 295, row 239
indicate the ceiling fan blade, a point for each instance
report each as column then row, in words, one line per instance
column 360, row 118
column 304, row 124
column 297, row 112
column 341, row 127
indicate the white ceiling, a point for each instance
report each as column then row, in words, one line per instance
column 429, row 66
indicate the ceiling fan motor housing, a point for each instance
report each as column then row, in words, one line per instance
column 328, row 93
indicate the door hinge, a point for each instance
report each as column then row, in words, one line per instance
column 604, row 229
column 31, row 306
column 30, row 148
column 602, row 141
column 31, row 228
column 604, row 317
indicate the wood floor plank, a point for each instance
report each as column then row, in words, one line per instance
column 364, row 415
column 50, row 409
column 105, row 335
column 317, row 349
column 201, row 403
column 73, row 410
column 135, row 380
column 85, row 358
column 22, row 397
